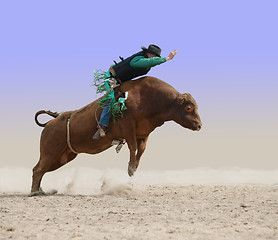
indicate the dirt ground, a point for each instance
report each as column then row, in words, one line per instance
column 144, row 212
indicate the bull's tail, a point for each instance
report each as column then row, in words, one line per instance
column 52, row 114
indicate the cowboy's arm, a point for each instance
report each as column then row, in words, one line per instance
column 142, row 62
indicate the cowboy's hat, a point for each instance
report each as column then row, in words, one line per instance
column 152, row 49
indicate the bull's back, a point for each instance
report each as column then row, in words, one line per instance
column 147, row 95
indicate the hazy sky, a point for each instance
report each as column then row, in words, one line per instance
column 227, row 60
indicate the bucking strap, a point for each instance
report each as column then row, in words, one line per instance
column 68, row 134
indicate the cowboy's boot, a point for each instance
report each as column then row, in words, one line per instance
column 100, row 133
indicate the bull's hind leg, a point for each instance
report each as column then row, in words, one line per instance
column 36, row 180
column 48, row 164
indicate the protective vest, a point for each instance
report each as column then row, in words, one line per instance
column 125, row 72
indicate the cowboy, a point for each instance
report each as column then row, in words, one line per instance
column 134, row 66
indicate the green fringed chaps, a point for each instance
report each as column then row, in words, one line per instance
column 116, row 108
column 98, row 82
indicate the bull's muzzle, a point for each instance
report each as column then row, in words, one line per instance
column 197, row 126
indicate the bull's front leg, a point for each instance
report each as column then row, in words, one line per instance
column 140, row 147
column 132, row 165
column 129, row 133
column 128, row 129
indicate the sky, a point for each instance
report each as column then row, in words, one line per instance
column 227, row 60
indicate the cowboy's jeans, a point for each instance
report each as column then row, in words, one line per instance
column 105, row 116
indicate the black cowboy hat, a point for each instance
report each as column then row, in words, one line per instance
column 153, row 49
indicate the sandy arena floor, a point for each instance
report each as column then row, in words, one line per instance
column 145, row 212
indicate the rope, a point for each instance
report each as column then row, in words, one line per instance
column 68, row 134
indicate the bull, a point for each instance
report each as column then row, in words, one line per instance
column 150, row 103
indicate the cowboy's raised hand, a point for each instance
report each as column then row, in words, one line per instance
column 171, row 55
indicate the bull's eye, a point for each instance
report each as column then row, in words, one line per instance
column 189, row 108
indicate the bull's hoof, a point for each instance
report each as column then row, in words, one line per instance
column 130, row 171
column 42, row 193
column 37, row 193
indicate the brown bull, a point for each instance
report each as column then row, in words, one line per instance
column 150, row 103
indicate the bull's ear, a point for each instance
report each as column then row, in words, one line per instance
column 180, row 99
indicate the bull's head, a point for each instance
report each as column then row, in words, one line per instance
column 187, row 112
